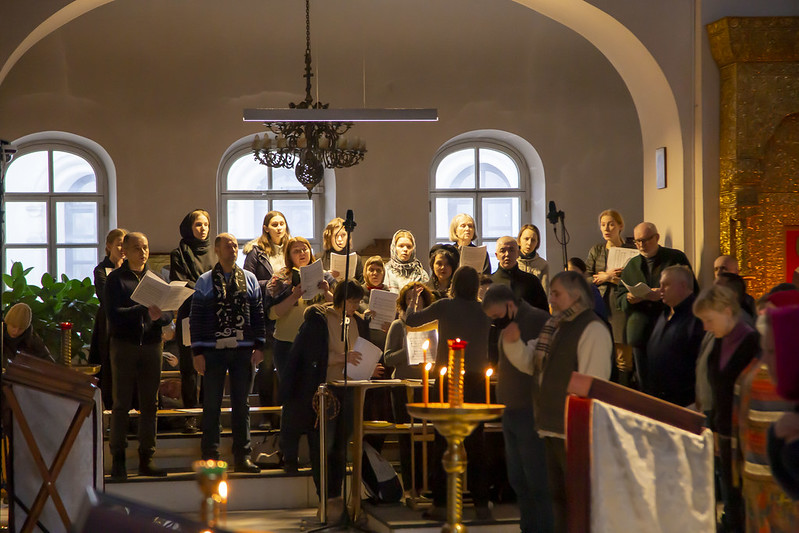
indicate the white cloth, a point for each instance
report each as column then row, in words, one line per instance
column 649, row 476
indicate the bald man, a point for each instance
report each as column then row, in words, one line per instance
column 642, row 313
column 524, row 285
column 725, row 263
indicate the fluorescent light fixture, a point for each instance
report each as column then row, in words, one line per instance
column 340, row 115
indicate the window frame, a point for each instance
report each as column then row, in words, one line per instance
column 244, row 149
column 476, row 194
column 52, row 198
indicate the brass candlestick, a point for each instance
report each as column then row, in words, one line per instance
column 455, row 424
column 66, row 342
column 210, row 474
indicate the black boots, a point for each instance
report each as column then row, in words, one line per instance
column 147, row 468
column 118, row 470
column 245, row 466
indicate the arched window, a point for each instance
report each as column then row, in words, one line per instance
column 56, row 205
column 486, row 180
column 248, row 190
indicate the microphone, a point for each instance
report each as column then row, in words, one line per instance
column 553, row 214
column 349, row 223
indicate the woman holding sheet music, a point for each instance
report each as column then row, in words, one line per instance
column 611, row 224
column 462, row 231
column 334, row 241
column 286, row 306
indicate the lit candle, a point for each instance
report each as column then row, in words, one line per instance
column 489, row 372
column 425, row 346
column 425, row 384
column 441, row 374
column 223, row 497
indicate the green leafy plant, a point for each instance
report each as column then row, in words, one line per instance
column 68, row 300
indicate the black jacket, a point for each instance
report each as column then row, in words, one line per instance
column 128, row 320
column 524, row 285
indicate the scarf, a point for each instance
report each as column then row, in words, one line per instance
column 193, row 250
column 548, row 332
column 231, row 306
column 529, row 256
column 412, row 268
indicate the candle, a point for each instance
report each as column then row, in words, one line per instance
column 441, row 374
column 489, row 372
column 223, row 498
column 425, row 346
column 256, row 143
column 425, row 384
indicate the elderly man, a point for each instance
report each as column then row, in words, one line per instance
column 524, row 285
column 574, row 339
column 227, row 337
column 725, row 263
column 642, row 312
column 136, row 353
column 520, row 324
column 674, row 344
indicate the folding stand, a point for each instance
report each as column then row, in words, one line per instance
column 40, row 395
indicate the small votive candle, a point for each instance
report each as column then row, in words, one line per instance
column 223, row 497
column 489, row 373
column 441, row 376
column 426, row 384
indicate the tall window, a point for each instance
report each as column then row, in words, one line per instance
column 249, row 190
column 485, row 180
column 55, row 207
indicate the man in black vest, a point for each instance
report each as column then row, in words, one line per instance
column 524, row 285
column 574, row 339
column 525, row 456
column 642, row 311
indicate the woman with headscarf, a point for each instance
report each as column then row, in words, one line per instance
column 403, row 267
column 19, row 337
column 188, row 262
column 334, row 241
column 100, row 349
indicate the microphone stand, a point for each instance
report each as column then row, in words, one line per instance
column 564, row 237
column 347, row 524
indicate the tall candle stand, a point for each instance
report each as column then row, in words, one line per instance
column 455, row 421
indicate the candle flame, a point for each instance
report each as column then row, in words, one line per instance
column 428, row 366
column 426, row 344
column 442, row 371
column 489, row 372
column 223, row 490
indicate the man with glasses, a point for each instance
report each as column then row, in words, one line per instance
column 642, row 312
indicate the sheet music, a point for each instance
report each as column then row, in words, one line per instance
column 639, row 290
column 310, row 278
column 152, row 290
column 338, row 263
column 414, row 341
column 473, row 256
column 384, row 304
column 618, row 257
column 370, row 356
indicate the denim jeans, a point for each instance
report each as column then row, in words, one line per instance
column 525, row 455
column 237, row 363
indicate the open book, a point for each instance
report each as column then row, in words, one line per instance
column 152, row 290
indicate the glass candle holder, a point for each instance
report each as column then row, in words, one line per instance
column 456, row 371
column 66, row 342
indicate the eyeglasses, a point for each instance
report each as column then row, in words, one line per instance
column 640, row 242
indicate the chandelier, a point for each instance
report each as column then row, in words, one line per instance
column 309, row 137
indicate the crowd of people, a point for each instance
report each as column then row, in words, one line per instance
column 644, row 324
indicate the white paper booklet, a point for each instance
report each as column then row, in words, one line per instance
column 415, row 340
column 370, row 356
column 473, row 256
column 384, row 304
column 310, row 278
column 618, row 257
column 338, row 263
column 152, row 290
column 639, row 290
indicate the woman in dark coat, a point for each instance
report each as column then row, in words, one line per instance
column 18, row 335
column 100, row 349
column 188, row 262
column 736, row 343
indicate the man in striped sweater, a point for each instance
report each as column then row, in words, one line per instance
column 227, row 336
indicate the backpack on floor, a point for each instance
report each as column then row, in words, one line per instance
column 379, row 477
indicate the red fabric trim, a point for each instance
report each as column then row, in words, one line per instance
column 578, row 464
